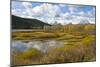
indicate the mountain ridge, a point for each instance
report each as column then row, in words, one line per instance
column 26, row 23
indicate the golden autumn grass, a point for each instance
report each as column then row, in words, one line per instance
column 78, row 47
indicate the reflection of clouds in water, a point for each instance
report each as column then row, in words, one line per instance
column 18, row 45
column 43, row 46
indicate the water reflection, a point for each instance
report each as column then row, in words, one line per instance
column 43, row 46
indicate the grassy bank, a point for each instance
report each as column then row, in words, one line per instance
column 79, row 46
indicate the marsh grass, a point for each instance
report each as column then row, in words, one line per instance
column 78, row 47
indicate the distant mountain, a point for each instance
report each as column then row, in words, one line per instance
column 26, row 23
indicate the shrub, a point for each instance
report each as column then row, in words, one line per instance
column 88, row 40
column 27, row 57
column 31, row 54
column 72, row 53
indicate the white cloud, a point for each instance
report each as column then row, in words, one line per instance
column 47, row 10
column 51, row 12
column 27, row 4
column 91, row 13
column 72, row 8
column 28, row 7
column 62, row 5
column 81, row 13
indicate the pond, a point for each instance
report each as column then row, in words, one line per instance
column 41, row 45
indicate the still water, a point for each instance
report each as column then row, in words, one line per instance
column 43, row 46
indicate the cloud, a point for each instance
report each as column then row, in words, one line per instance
column 27, row 4
column 51, row 13
column 18, row 9
column 62, row 5
column 74, row 8
column 48, row 10
column 28, row 7
column 22, row 9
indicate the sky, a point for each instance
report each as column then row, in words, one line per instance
column 51, row 13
